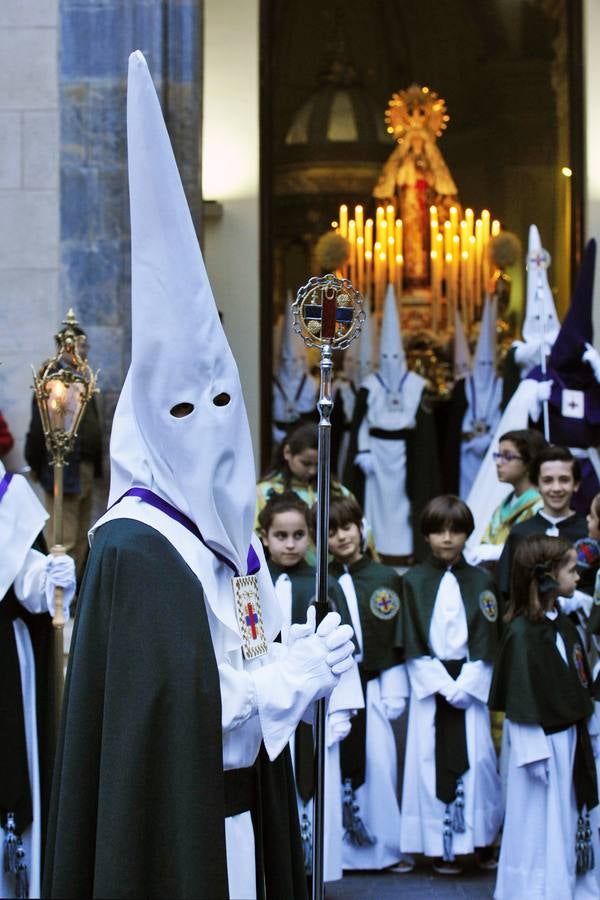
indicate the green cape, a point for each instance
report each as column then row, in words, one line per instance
column 420, row 586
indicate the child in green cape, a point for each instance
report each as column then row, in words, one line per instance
column 542, row 683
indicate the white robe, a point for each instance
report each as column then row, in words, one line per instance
column 377, row 796
column 29, row 587
column 387, row 507
column 537, row 856
column 346, row 697
column 422, row 812
column 473, row 451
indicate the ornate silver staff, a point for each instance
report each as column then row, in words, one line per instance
column 328, row 315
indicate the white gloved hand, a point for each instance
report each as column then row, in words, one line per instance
column 592, row 357
column 538, row 770
column 527, row 354
column 571, row 604
column 60, row 572
column 338, row 726
column 364, row 461
column 485, row 553
column 338, row 640
column 542, row 394
column 298, row 630
column 393, row 707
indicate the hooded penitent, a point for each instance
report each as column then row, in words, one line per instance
column 483, row 390
column 541, row 321
column 393, row 446
column 201, row 463
column 462, row 356
column 294, row 391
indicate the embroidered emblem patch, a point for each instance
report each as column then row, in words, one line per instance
column 572, row 404
column 578, row 660
column 488, row 605
column 249, row 616
column 384, row 603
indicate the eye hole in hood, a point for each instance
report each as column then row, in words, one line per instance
column 180, row 410
column 221, row 399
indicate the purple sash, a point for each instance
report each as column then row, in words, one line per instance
column 5, row 483
column 148, row 496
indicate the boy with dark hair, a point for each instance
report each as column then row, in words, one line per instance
column 368, row 755
column 451, row 798
column 557, row 474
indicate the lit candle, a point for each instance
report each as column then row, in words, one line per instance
column 447, row 236
column 390, row 215
column 358, row 215
column 471, row 278
column 495, row 228
column 478, row 263
column 399, row 274
column 434, row 289
column 485, row 272
column 464, row 235
column 448, row 280
column 469, row 219
column 399, row 236
column 360, row 262
column 379, row 214
column 391, row 258
column 464, row 305
column 344, row 220
column 369, row 236
column 433, row 231
column 454, row 220
column 352, row 242
column 369, row 273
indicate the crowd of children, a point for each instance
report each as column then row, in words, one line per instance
column 503, row 632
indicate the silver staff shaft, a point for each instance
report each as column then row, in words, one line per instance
column 540, row 290
column 324, row 406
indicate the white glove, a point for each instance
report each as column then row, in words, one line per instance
column 364, row 461
column 308, row 671
column 542, row 394
column 538, row 770
column 338, row 726
column 527, row 354
column 298, row 631
column 571, row 604
column 592, row 357
column 338, row 640
column 393, row 707
column 485, row 553
column 60, row 572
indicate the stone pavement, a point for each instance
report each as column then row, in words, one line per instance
column 420, row 883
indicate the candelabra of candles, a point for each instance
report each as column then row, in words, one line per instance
column 459, row 265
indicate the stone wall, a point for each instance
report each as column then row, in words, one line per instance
column 29, row 204
column 97, row 37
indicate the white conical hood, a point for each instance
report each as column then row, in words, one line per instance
column 292, row 358
column 202, row 463
column 366, row 347
column 540, row 311
column 392, row 361
column 483, row 374
column 462, row 354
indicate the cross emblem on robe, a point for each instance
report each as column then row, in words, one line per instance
column 384, row 604
column 251, row 620
column 490, row 606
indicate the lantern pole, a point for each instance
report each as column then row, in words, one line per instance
column 63, row 386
